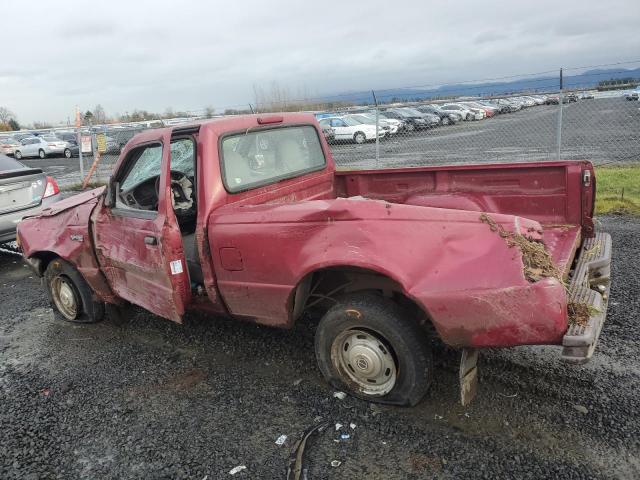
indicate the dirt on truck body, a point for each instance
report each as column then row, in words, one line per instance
column 247, row 217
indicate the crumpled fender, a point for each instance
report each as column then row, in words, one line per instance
column 448, row 261
column 64, row 230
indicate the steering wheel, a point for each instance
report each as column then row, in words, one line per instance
column 182, row 190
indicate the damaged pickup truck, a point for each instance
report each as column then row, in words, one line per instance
column 247, row 217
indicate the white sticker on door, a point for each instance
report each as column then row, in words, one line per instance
column 176, row 267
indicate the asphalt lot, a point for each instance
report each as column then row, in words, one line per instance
column 604, row 130
column 153, row 399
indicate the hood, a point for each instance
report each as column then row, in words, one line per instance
column 73, row 201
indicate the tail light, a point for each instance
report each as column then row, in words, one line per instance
column 51, row 188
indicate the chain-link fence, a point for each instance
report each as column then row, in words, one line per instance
column 574, row 114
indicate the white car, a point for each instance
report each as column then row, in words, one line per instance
column 40, row 147
column 8, row 145
column 389, row 127
column 466, row 112
column 346, row 128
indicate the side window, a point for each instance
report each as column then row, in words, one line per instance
column 137, row 189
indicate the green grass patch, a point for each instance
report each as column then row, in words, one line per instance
column 618, row 190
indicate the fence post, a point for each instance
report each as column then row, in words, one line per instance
column 559, row 135
column 375, row 102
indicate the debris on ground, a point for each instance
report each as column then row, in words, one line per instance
column 338, row 426
column 280, row 440
column 579, row 313
column 352, row 426
column 297, row 382
column 581, row 408
column 294, row 470
column 345, row 436
column 237, row 469
column 340, row 395
column 335, row 463
column 538, row 263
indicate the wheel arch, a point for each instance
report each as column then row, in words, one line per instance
column 320, row 286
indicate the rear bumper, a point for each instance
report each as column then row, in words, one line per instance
column 590, row 285
column 9, row 221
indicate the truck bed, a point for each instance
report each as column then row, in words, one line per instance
column 550, row 193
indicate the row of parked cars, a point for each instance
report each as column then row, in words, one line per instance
column 359, row 125
column 55, row 143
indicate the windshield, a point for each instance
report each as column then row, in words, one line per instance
column 266, row 156
column 363, row 119
column 352, row 122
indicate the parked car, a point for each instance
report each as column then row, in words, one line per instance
column 587, row 96
column 488, row 111
column 465, row 112
column 329, row 134
column 552, row 100
column 631, row 96
column 368, row 119
column 72, row 149
column 390, row 259
column 40, row 147
column 347, row 129
column 8, row 146
column 23, row 191
column 431, row 119
column 446, row 118
column 411, row 121
column 571, row 97
column 391, row 121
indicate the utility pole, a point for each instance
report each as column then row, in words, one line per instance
column 559, row 135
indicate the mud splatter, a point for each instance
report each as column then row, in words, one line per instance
column 579, row 313
column 537, row 262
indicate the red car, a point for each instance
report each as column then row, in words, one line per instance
column 247, row 217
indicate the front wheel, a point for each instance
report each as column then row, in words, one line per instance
column 446, row 121
column 67, row 153
column 71, row 297
column 42, row 154
column 17, row 154
column 370, row 347
column 359, row 138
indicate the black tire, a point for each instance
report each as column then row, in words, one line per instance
column 359, row 138
column 470, row 116
column 410, row 127
column 17, row 155
column 88, row 309
column 397, row 333
column 445, row 121
column 67, row 153
column 42, row 154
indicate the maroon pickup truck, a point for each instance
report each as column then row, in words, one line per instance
column 247, row 217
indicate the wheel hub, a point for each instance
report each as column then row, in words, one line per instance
column 65, row 298
column 365, row 360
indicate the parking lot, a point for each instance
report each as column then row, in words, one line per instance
column 601, row 130
column 153, row 399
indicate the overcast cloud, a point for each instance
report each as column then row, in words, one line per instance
column 190, row 54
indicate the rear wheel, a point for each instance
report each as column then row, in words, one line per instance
column 370, row 347
column 71, row 297
column 67, row 153
column 410, row 127
column 17, row 154
column 359, row 138
column 445, row 121
column 42, row 154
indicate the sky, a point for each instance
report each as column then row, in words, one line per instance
column 187, row 55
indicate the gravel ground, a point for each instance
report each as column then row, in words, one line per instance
column 152, row 399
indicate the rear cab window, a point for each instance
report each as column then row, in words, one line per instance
column 261, row 157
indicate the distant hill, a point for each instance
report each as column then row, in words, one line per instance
column 587, row 79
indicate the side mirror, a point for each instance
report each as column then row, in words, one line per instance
column 110, row 195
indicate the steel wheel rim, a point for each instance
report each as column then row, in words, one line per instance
column 64, row 297
column 67, row 153
column 365, row 360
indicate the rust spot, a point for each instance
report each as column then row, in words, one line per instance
column 353, row 313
